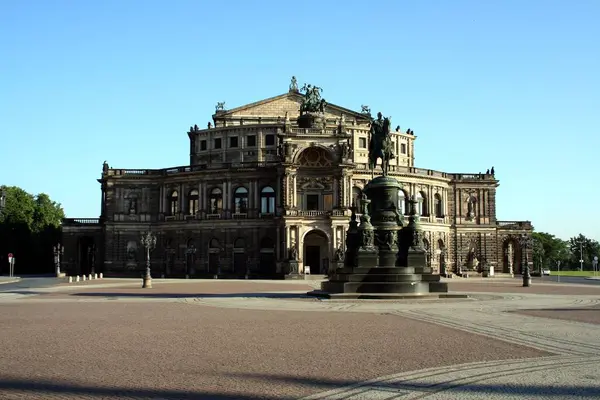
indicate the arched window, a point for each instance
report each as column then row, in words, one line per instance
column 239, row 243
column 356, row 194
column 403, row 202
column 422, row 203
column 437, row 201
column 240, row 200
column 174, row 202
column 419, row 204
column 216, row 201
column 193, row 202
column 267, row 200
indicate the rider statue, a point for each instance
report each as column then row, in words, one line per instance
column 380, row 145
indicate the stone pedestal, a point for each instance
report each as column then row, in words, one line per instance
column 386, row 263
column 310, row 120
column 292, row 270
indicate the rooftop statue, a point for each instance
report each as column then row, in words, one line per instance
column 294, row 85
column 313, row 103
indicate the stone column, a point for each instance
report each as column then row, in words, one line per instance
column 294, row 190
column 161, row 200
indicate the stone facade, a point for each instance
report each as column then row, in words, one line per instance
column 260, row 191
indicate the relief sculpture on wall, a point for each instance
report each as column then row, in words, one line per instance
column 131, row 251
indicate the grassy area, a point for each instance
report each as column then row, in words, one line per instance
column 574, row 273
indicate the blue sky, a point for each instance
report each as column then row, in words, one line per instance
column 509, row 84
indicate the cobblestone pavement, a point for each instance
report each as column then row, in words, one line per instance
column 248, row 339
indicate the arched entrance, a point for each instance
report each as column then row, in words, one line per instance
column 512, row 256
column 267, row 265
column 214, row 249
column 316, row 252
column 239, row 256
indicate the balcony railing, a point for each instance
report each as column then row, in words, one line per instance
column 514, row 224
column 81, row 221
column 192, row 168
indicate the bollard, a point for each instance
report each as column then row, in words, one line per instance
column 101, row 275
column 95, row 276
column 77, row 278
column 83, row 278
column 70, row 279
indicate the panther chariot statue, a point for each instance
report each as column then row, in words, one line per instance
column 380, row 144
column 312, row 108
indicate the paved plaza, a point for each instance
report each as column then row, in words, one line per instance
column 193, row 339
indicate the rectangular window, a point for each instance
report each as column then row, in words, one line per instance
column 251, row 141
column 267, row 205
column 328, row 202
column 362, row 143
column 403, row 148
column 233, row 142
column 217, row 143
column 270, row 140
column 193, row 206
column 312, row 202
column 203, row 145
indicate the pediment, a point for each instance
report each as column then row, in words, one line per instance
column 286, row 103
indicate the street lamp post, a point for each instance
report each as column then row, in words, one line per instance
column 59, row 250
column 189, row 253
column 149, row 242
column 525, row 242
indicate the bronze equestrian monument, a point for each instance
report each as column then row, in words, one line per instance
column 384, row 257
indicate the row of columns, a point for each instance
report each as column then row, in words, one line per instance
column 203, row 200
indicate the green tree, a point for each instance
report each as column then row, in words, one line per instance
column 583, row 248
column 548, row 250
column 29, row 227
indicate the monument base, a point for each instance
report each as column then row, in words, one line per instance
column 309, row 120
column 385, row 296
column 398, row 280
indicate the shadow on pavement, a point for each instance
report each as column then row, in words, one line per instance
column 281, row 295
column 525, row 391
column 63, row 390
column 52, row 390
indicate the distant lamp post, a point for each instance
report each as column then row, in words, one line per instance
column 149, row 242
column 190, row 251
column 59, row 251
column 92, row 258
column 2, row 200
column 581, row 255
column 526, row 242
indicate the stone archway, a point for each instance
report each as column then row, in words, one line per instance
column 315, row 252
column 266, row 264
column 239, row 256
column 442, row 255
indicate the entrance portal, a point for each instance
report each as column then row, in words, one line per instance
column 313, row 258
column 316, row 252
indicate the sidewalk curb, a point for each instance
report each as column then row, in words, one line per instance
column 13, row 281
